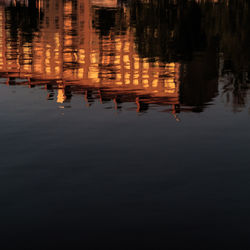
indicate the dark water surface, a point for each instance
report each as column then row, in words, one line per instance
column 124, row 124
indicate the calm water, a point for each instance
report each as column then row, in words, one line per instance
column 124, row 124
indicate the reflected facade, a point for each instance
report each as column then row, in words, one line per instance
column 119, row 51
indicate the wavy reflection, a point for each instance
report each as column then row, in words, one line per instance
column 181, row 54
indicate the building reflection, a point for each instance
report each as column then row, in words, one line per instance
column 98, row 49
column 72, row 46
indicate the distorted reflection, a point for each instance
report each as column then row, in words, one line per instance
column 180, row 54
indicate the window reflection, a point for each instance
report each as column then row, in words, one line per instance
column 175, row 56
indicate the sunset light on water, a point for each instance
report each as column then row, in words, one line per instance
column 124, row 124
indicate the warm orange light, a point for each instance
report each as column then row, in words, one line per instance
column 72, row 50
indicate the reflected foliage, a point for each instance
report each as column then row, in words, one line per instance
column 179, row 30
column 207, row 41
column 24, row 19
column 167, row 30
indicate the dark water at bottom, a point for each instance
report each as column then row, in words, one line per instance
column 124, row 124
column 92, row 177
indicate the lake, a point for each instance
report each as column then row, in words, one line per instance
column 124, row 124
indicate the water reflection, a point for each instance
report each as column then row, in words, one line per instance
column 176, row 53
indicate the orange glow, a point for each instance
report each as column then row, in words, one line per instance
column 70, row 50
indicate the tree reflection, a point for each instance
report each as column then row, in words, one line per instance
column 24, row 19
column 167, row 30
column 22, row 22
column 194, row 33
column 205, row 42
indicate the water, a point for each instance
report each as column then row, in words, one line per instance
column 124, row 124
